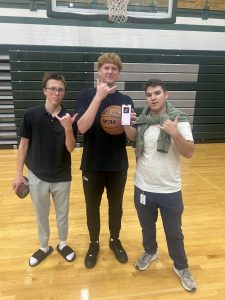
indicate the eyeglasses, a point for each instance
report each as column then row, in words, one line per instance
column 55, row 90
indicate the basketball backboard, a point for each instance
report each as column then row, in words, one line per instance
column 140, row 11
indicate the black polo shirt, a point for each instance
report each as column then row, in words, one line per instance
column 102, row 151
column 47, row 156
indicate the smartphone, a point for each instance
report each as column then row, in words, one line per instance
column 126, row 111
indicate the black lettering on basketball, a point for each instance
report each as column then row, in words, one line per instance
column 112, row 113
column 112, row 122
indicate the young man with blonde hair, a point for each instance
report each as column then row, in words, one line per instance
column 104, row 161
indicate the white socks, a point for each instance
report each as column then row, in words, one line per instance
column 34, row 261
column 62, row 244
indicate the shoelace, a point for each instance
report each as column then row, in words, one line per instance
column 146, row 257
column 186, row 274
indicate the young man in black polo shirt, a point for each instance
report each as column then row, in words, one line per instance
column 47, row 139
column 104, row 161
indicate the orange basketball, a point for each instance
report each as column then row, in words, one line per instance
column 111, row 120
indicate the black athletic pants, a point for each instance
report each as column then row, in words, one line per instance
column 93, row 185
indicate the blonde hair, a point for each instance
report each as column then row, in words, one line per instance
column 110, row 58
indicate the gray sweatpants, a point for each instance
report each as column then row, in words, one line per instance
column 40, row 192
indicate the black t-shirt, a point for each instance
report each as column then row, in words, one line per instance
column 102, row 151
column 47, row 156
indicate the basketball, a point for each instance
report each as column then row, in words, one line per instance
column 23, row 190
column 111, row 120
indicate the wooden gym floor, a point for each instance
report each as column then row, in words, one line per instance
column 203, row 227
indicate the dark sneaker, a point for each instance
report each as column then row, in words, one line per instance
column 91, row 256
column 186, row 278
column 144, row 260
column 118, row 250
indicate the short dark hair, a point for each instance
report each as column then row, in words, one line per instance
column 52, row 75
column 154, row 83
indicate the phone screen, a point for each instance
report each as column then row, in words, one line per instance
column 126, row 111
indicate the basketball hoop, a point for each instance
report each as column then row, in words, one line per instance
column 117, row 10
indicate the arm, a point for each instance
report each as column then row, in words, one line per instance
column 67, row 122
column 21, row 155
column 87, row 119
column 183, row 146
column 131, row 132
column 70, row 141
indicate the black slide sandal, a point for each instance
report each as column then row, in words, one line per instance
column 66, row 250
column 40, row 255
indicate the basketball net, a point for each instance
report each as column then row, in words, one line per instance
column 117, row 10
